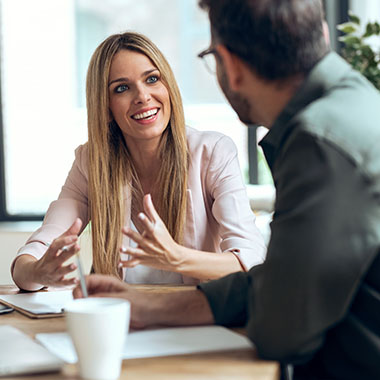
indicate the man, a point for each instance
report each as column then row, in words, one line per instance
column 315, row 302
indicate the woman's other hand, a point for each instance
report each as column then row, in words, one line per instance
column 155, row 246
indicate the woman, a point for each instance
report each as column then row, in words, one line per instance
column 138, row 145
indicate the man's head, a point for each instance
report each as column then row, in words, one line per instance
column 277, row 40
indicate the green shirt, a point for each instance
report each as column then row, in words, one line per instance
column 315, row 302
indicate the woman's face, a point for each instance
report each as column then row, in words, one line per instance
column 139, row 101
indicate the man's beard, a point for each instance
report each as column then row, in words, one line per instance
column 238, row 102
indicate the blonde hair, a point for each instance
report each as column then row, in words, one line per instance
column 111, row 168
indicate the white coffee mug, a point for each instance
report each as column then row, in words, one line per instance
column 98, row 328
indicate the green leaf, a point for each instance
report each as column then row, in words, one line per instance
column 347, row 27
column 350, row 40
column 370, row 30
column 377, row 28
column 367, row 52
column 353, row 18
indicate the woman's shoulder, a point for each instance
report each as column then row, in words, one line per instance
column 81, row 157
column 82, row 149
column 207, row 140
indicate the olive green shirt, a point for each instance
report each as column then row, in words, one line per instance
column 315, row 302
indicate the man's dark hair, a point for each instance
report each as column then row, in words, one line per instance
column 277, row 38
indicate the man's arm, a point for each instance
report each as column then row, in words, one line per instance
column 182, row 308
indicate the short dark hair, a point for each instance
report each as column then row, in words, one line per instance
column 277, row 38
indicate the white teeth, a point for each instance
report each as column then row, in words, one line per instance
column 145, row 114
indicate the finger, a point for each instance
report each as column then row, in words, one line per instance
column 59, row 243
column 66, row 252
column 136, row 252
column 145, row 244
column 74, row 229
column 97, row 283
column 69, row 281
column 66, row 269
column 147, row 224
column 135, row 236
column 129, row 263
column 77, row 292
column 149, row 209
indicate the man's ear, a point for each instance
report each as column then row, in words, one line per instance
column 326, row 33
column 232, row 66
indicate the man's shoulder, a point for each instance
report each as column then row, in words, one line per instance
column 347, row 118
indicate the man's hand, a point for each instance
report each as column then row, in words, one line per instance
column 177, row 308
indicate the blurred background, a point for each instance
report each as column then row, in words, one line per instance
column 45, row 48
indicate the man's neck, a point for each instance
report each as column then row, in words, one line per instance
column 270, row 98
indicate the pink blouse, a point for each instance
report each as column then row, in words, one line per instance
column 219, row 217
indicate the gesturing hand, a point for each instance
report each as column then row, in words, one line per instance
column 156, row 248
column 49, row 270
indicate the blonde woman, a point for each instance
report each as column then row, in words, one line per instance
column 166, row 203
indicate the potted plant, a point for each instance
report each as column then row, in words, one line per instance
column 357, row 49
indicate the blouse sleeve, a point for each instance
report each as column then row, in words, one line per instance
column 72, row 203
column 231, row 206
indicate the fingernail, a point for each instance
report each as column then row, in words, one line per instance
column 123, row 249
column 120, row 265
column 141, row 216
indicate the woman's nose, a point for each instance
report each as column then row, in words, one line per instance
column 142, row 95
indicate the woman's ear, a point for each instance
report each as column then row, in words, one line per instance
column 232, row 66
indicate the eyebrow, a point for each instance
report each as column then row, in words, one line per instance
column 125, row 79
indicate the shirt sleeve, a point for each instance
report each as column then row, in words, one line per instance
column 72, row 203
column 321, row 246
column 231, row 207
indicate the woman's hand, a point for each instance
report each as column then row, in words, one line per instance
column 49, row 269
column 156, row 248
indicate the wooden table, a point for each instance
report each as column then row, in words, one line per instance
column 226, row 365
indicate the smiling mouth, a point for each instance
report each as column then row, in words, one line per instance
column 145, row 115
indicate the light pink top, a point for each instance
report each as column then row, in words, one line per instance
column 219, row 217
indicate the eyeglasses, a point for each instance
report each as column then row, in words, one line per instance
column 208, row 57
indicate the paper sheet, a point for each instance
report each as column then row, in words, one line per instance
column 40, row 302
column 21, row 354
column 160, row 342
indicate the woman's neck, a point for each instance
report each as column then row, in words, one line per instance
column 145, row 155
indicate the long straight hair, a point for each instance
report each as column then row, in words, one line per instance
column 112, row 173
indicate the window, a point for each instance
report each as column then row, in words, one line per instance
column 45, row 49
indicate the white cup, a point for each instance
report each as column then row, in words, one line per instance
column 98, row 328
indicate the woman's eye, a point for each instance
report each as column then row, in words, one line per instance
column 121, row 88
column 152, row 79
